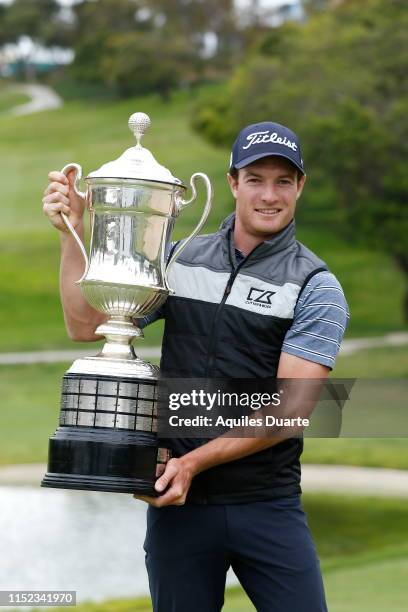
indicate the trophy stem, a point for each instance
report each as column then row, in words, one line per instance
column 119, row 333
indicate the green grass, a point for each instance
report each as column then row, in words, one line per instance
column 386, row 362
column 9, row 97
column 94, row 132
column 369, row 452
column 362, row 544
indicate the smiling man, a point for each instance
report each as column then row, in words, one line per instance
column 250, row 302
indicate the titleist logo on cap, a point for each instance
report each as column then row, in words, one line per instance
column 266, row 136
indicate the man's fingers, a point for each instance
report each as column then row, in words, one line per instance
column 53, row 212
column 170, row 472
column 60, row 177
column 55, row 198
column 57, row 187
column 170, row 498
column 54, row 209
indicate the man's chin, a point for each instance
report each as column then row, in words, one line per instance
column 269, row 227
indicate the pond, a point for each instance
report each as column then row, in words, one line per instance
column 89, row 542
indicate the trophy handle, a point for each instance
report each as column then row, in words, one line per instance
column 78, row 174
column 181, row 205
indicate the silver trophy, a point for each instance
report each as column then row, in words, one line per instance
column 106, row 439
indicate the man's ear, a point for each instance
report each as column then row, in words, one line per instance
column 233, row 183
column 300, row 184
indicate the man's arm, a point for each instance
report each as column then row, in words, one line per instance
column 180, row 472
column 81, row 319
column 309, row 351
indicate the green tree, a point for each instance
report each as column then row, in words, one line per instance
column 340, row 81
column 152, row 45
column 141, row 63
column 194, row 20
column 29, row 17
column 96, row 22
column 34, row 18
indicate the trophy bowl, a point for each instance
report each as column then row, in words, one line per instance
column 107, row 434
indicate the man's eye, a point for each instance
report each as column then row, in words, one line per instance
column 253, row 180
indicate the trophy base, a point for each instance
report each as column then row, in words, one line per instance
column 97, row 459
column 101, row 483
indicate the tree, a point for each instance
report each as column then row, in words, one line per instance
column 96, row 22
column 29, row 17
column 36, row 19
column 137, row 64
column 194, row 20
column 152, row 45
column 340, row 81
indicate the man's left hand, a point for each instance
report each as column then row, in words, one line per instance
column 175, row 480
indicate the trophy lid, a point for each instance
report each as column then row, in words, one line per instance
column 136, row 162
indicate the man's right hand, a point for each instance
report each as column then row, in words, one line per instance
column 60, row 196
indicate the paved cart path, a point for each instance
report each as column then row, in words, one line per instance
column 148, row 352
column 378, row 482
column 41, row 98
column 153, row 352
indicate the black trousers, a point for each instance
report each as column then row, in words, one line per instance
column 268, row 544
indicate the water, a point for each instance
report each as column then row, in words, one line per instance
column 55, row 539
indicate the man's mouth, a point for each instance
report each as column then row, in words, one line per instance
column 268, row 211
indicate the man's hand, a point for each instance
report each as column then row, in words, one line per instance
column 176, row 480
column 60, row 196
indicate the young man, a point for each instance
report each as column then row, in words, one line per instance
column 250, row 302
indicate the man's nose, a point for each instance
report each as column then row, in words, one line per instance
column 269, row 195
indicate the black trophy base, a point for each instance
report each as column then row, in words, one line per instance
column 99, row 459
column 95, row 483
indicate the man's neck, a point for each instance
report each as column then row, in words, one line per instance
column 246, row 243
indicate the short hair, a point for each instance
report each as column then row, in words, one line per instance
column 234, row 172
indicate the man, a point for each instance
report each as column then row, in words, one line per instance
column 250, row 302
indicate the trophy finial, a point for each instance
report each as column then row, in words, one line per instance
column 139, row 123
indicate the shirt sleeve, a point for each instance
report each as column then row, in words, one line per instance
column 152, row 317
column 320, row 320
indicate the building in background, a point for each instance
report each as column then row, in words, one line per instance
column 270, row 12
column 17, row 58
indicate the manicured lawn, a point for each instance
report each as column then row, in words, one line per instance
column 362, row 544
column 386, row 362
column 94, row 132
column 9, row 97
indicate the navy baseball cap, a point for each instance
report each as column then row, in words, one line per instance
column 262, row 140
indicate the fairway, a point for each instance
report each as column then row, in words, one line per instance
column 92, row 133
column 370, row 588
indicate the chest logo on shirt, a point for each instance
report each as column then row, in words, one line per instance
column 259, row 297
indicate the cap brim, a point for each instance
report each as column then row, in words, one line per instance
column 254, row 158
